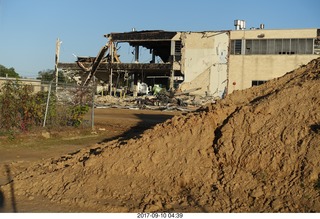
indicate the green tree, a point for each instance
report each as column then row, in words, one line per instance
column 10, row 72
column 49, row 75
column 46, row 75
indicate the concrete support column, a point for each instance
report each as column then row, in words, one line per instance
column 171, row 86
column 153, row 60
column 136, row 54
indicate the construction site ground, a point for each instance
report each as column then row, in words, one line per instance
column 26, row 149
column 257, row 150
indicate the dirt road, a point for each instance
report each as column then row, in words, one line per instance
column 110, row 124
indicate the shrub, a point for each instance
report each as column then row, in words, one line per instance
column 21, row 108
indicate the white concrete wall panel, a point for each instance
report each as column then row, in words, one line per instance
column 204, row 61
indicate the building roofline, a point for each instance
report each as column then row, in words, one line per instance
column 162, row 35
column 20, row 79
column 278, row 29
column 145, row 35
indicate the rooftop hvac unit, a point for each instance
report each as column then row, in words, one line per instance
column 240, row 24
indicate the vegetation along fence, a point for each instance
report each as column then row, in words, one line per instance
column 26, row 106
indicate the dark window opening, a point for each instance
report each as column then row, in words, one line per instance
column 317, row 46
column 257, row 83
column 177, row 51
column 236, row 47
column 177, row 47
column 248, row 47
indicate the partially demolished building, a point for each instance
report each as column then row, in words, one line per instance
column 208, row 63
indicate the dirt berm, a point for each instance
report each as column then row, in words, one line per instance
column 258, row 150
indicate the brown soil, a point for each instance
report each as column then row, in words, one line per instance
column 255, row 151
column 26, row 149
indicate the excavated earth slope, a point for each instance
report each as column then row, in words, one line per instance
column 255, row 151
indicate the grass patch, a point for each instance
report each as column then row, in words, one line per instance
column 57, row 138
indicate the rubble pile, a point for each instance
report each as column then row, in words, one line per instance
column 257, row 150
column 154, row 102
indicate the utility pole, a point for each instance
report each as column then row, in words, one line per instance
column 58, row 43
column 94, row 88
column 111, row 70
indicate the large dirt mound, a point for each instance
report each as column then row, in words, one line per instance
column 255, row 151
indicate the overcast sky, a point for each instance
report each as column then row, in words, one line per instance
column 29, row 28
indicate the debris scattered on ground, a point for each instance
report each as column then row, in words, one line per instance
column 160, row 101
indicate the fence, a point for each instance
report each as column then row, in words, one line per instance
column 25, row 106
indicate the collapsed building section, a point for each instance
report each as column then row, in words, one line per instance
column 185, row 61
column 209, row 63
column 159, row 45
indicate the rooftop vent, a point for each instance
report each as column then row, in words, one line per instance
column 240, row 24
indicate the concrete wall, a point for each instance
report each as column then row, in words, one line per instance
column 271, row 34
column 36, row 84
column 243, row 69
column 204, row 62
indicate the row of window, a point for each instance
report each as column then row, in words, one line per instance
column 274, row 46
